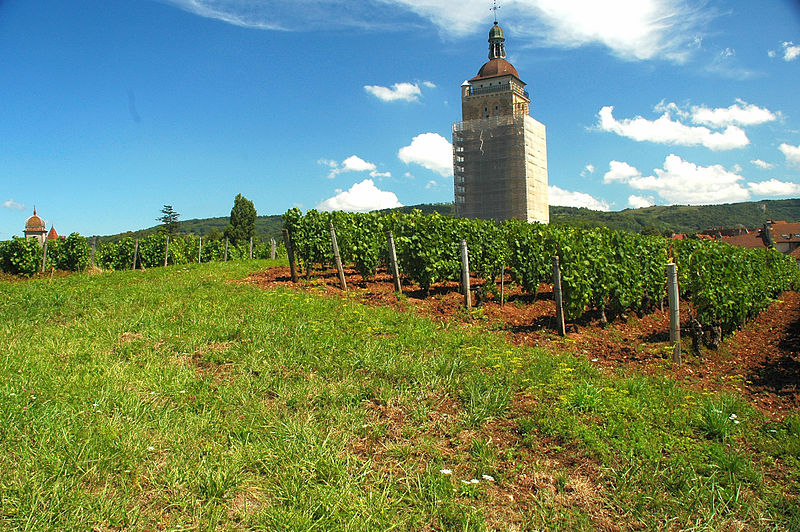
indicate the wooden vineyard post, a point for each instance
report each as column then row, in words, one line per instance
column 44, row 256
column 199, row 250
column 337, row 257
column 503, row 285
column 557, row 296
column 674, row 312
column 272, row 248
column 94, row 248
column 290, row 254
column 393, row 262
column 226, row 249
column 251, row 248
column 166, row 252
column 465, row 274
column 135, row 253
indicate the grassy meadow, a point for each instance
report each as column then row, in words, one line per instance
column 183, row 399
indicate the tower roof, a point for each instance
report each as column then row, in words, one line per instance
column 52, row 235
column 34, row 223
column 496, row 67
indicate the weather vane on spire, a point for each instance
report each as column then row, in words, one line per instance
column 494, row 8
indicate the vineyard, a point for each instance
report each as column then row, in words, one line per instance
column 607, row 271
column 610, row 272
column 190, row 398
column 19, row 256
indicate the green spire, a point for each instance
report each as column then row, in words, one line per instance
column 496, row 33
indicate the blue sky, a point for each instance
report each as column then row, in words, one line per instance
column 110, row 109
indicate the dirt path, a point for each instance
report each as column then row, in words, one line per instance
column 762, row 360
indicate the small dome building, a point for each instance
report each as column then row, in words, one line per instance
column 35, row 228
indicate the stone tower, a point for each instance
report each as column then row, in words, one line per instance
column 499, row 151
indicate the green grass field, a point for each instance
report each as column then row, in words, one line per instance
column 181, row 399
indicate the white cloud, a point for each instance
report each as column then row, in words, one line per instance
column 588, row 169
column 762, row 164
column 792, row 153
column 630, row 29
column 361, row 197
column 566, row 198
column 13, row 205
column 431, row 151
column 685, row 182
column 620, row 171
column 771, row 53
column 431, row 184
column 790, row 51
column 639, row 202
column 354, row 163
column 741, row 113
column 773, row 187
column 668, row 131
column 409, row 92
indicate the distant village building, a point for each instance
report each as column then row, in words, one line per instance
column 499, row 150
column 784, row 236
column 35, row 229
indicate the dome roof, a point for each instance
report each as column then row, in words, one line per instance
column 496, row 33
column 34, row 223
column 496, row 67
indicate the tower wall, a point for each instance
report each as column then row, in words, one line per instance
column 500, row 169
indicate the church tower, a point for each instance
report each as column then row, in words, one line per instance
column 499, row 150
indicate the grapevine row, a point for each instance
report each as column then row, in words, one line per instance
column 610, row 271
column 19, row 256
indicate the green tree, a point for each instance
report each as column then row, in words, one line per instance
column 169, row 220
column 650, row 230
column 214, row 234
column 243, row 221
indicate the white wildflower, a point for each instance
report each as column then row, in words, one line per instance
column 446, row 471
column 490, row 478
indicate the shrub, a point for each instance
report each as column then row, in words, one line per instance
column 20, row 256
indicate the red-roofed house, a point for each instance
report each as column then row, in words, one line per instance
column 785, row 236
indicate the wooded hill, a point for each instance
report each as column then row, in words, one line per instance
column 673, row 218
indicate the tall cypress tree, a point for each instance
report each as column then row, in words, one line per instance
column 243, row 221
